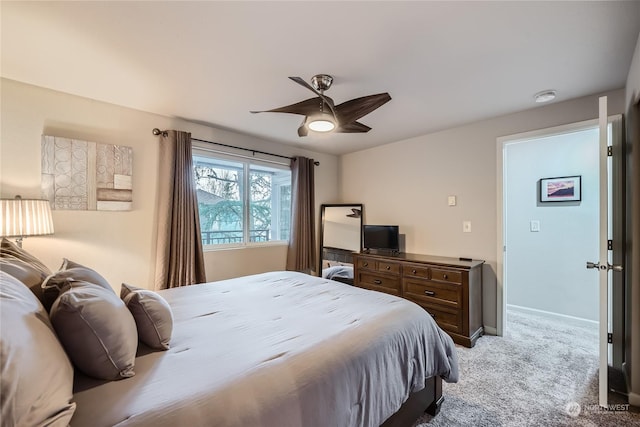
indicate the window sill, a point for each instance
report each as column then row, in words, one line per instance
column 232, row 247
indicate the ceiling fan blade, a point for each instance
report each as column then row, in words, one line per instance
column 328, row 100
column 353, row 127
column 304, row 108
column 352, row 110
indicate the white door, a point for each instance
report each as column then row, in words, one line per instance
column 603, row 263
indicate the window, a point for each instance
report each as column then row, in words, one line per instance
column 241, row 202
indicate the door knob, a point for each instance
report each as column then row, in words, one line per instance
column 597, row 266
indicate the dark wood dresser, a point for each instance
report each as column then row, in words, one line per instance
column 448, row 288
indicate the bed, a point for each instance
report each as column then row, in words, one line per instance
column 274, row 349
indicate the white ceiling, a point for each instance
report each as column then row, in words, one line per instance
column 443, row 63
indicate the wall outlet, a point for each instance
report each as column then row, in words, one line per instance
column 534, row 225
column 451, row 200
column 466, row 226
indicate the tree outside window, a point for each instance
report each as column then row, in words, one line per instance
column 231, row 216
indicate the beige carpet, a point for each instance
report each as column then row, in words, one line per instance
column 541, row 373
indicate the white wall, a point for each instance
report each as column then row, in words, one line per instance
column 120, row 245
column 545, row 269
column 407, row 183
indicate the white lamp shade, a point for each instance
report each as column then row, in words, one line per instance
column 25, row 217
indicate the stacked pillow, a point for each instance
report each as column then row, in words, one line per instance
column 98, row 330
column 26, row 268
column 37, row 377
column 93, row 324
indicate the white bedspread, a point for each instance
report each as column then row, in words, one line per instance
column 277, row 349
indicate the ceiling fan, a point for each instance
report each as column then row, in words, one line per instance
column 322, row 115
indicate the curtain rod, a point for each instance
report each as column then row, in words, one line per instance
column 157, row 132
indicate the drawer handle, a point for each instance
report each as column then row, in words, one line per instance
column 366, row 264
column 378, row 282
column 413, row 271
column 388, row 267
column 430, row 293
column 445, row 277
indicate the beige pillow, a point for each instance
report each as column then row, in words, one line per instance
column 37, row 377
column 96, row 329
column 152, row 314
column 26, row 268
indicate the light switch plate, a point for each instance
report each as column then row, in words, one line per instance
column 466, row 226
column 534, row 225
column 451, row 200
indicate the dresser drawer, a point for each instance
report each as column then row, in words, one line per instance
column 415, row 270
column 380, row 283
column 448, row 319
column 439, row 293
column 366, row 263
column 389, row 267
column 449, row 276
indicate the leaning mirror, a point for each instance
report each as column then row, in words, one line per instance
column 340, row 237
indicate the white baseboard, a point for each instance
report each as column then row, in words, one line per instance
column 490, row 330
column 555, row 316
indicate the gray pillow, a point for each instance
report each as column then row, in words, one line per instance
column 37, row 377
column 72, row 271
column 152, row 314
column 24, row 267
column 55, row 283
column 96, row 329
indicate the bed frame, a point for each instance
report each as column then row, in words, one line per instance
column 426, row 400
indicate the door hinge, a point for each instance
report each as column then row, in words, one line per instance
column 610, row 245
column 610, row 151
column 610, row 338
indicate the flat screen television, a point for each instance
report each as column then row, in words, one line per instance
column 381, row 237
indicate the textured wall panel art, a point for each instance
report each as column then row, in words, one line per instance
column 84, row 175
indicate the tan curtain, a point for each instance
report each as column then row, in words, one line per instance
column 302, row 241
column 179, row 255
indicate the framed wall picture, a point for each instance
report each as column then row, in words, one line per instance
column 85, row 175
column 561, row 189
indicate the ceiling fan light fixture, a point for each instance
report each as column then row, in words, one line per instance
column 321, row 123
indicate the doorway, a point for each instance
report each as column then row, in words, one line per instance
column 609, row 181
column 549, row 238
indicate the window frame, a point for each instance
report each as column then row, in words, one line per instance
column 198, row 150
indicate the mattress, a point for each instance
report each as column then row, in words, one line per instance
column 275, row 349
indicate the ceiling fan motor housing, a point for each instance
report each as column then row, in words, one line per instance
column 321, row 82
